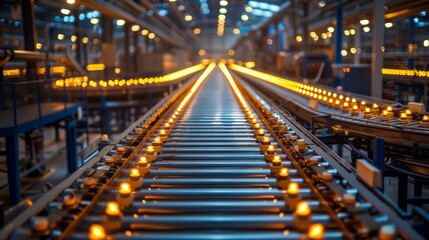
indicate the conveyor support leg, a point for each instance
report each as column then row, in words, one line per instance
column 12, row 154
column 378, row 156
column 71, row 145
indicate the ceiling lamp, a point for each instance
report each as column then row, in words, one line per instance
column 244, row 17
column 364, row 22
column 223, row 3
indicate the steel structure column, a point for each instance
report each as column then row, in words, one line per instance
column 305, row 29
column 78, row 43
column 338, row 42
column 71, row 138
column 126, row 60
column 12, row 155
column 136, row 52
column 377, row 53
column 108, row 47
column 29, row 30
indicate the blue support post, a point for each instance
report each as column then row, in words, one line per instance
column 378, row 157
column 12, row 155
column 71, row 145
column 338, row 43
column 105, row 117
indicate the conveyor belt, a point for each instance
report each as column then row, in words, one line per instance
column 411, row 132
column 214, row 177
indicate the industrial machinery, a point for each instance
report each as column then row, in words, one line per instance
column 214, row 160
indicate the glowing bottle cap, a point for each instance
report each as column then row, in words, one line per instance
column 124, row 188
column 346, row 104
column 367, row 110
column 162, row 132
column 316, row 232
column 303, row 209
column 134, row 173
column 354, row 100
column 347, row 99
column 150, row 149
column 363, row 103
column 112, row 209
column 96, row 232
column 105, row 138
column 385, row 112
column 375, row 106
column 425, row 118
column 355, row 107
column 142, row 160
column 271, row 148
column 331, row 100
column 408, row 112
column 404, row 116
column 284, row 172
column 293, row 189
column 337, row 102
column 389, row 108
column 266, row 139
column 276, row 160
column 156, row 140
column 261, row 132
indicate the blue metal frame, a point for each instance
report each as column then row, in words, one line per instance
column 12, row 133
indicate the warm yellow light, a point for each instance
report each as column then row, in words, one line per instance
column 403, row 116
column 96, row 231
column 188, row 18
column 85, row 40
column 363, row 103
column 303, row 209
column 71, row 1
column 298, row 38
column 145, row 32
column 231, row 52
column 134, row 173
column 197, row 31
column 367, row 110
column 60, row 36
column 355, row 107
column 248, row 9
column 375, row 106
column 151, row 35
column 124, row 188
column 142, row 160
column 135, row 28
column 366, row 29
column 277, row 159
column 117, row 70
column 284, row 172
column 236, row 31
column 112, row 209
column 425, row 118
column 331, row 29
column 408, row 112
column 223, row 3
column 65, row 11
column 293, row 189
column 94, row 20
column 120, row 22
column 223, row 10
column 364, row 22
column 39, row 45
column 202, row 52
column 95, row 67
column 244, row 17
column 316, row 232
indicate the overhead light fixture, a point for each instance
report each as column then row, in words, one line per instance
column 366, row 29
column 135, row 28
column 331, row 29
column 65, row 11
column 120, row 22
column 321, row 3
column 188, row 18
column 202, row 52
column 39, row 45
column 60, row 36
column 94, row 20
column 197, row 31
column 85, row 40
column 223, row 10
column 231, row 52
column 343, row 53
column 244, row 17
column 364, row 22
column 426, row 43
column 298, row 38
column 145, row 32
column 71, row 1
column 352, row 31
column 223, row 3
column 388, row 25
column 248, row 9
column 73, row 38
column 236, row 31
column 151, row 35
